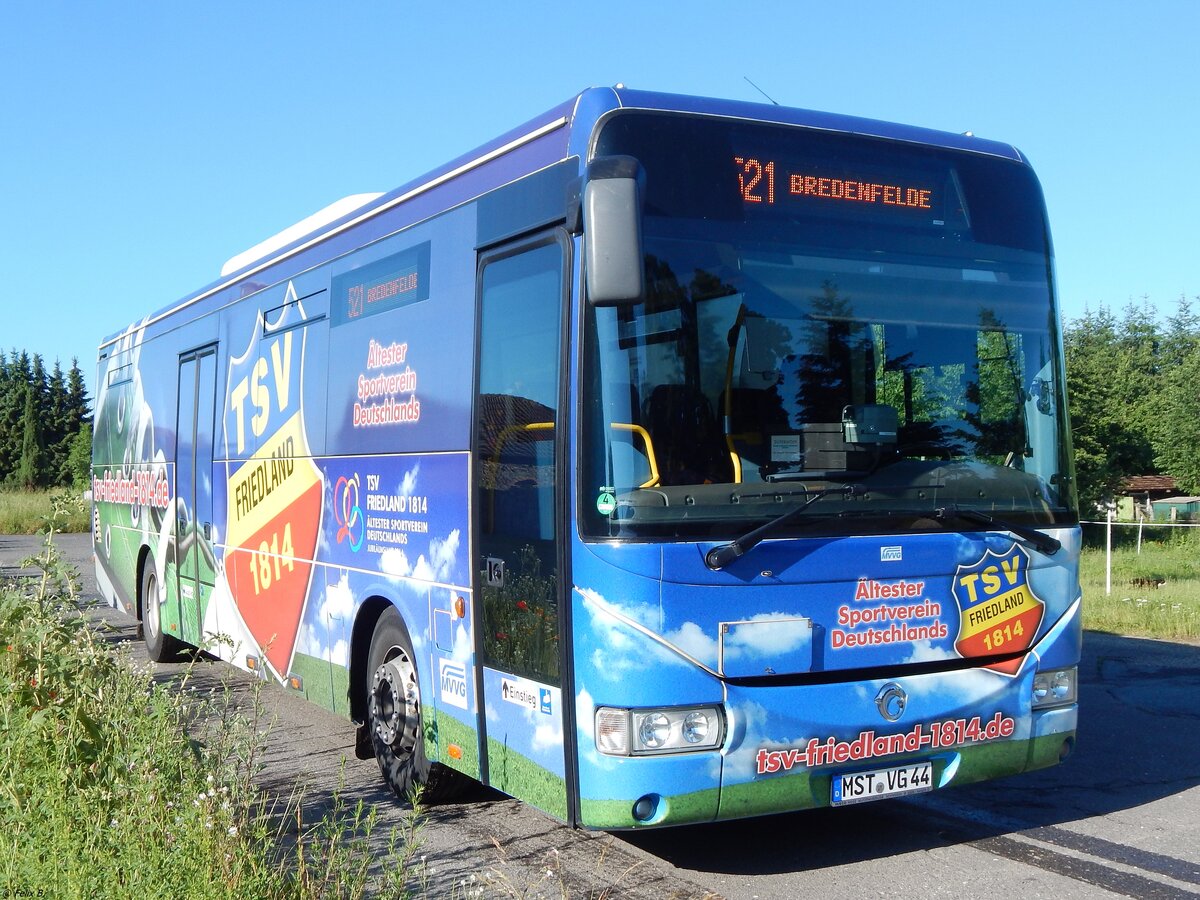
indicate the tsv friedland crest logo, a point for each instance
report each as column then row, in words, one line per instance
column 274, row 489
column 1000, row 612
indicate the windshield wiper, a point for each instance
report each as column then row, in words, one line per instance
column 1043, row 543
column 720, row 557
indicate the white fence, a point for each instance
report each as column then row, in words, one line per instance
column 1140, row 525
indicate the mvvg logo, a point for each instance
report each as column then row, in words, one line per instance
column 453, row 682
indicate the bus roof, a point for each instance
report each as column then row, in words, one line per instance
column 575, row 121
column 632, row 99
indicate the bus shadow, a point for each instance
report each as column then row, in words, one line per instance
column 1138, row 730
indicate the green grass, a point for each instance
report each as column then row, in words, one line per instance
column 26, row 512
column 1155, row 593
column 695, row 806
column 324, row 684
column 448, row 730
column 114, row 786
column 518, row 775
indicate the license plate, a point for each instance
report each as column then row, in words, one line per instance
column 859, row 787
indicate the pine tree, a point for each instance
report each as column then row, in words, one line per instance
column 7, row 388
column 1176, row 426
column 39, row 387
column 40, row 418
column 1134, row 373
column 12, row 414
column 30, row 466
column 78, row 405
column 79, row 460
column 77, row 456
column 58, row 428
column 1107, row 448
column 1135, row 407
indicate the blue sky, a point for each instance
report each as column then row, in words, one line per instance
column 143, row 144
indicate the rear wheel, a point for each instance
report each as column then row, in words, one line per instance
column 160, row 647
column 394, row 717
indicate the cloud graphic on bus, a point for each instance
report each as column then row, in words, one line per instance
column 323, row 634
column 786, row 634
column 613, row 631
column 337, row 654
column 441, row 566
column 690, row 641
column 748, row 731
column 408, row 484
column 547, row 731
column 393, row 562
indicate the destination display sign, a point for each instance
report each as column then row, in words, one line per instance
column 382, row 285
column 770, row 183
column 822, row 185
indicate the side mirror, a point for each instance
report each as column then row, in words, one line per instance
column 612, row 231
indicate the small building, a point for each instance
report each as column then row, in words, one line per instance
column 1138, row 494
column 1177, row 509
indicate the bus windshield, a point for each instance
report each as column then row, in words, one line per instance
column 824, row 311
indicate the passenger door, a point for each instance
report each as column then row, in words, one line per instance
column 520, row 427
column 196, row 564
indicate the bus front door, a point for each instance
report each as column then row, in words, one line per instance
column 519, row 432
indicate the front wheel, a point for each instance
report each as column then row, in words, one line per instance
column 160, row 647
column 394, row 717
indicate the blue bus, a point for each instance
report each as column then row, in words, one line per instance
column 665, row 460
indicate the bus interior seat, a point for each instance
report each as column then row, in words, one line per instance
column 755, row 414
column 689, row 445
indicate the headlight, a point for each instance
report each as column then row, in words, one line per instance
column 1054, row 688
column 654, row 730
column 643, row 732
column 696, row 727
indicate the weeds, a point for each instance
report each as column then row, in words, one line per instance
column 25, row 512
column 59, row 580
column 114, row 786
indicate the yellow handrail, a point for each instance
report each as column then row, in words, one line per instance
column 620, row 426
column 650, row 457
column 508, row 432
column 727, row 427
column 501, row 438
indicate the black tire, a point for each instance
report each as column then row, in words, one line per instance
column 394, row 717
column 160, row 647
